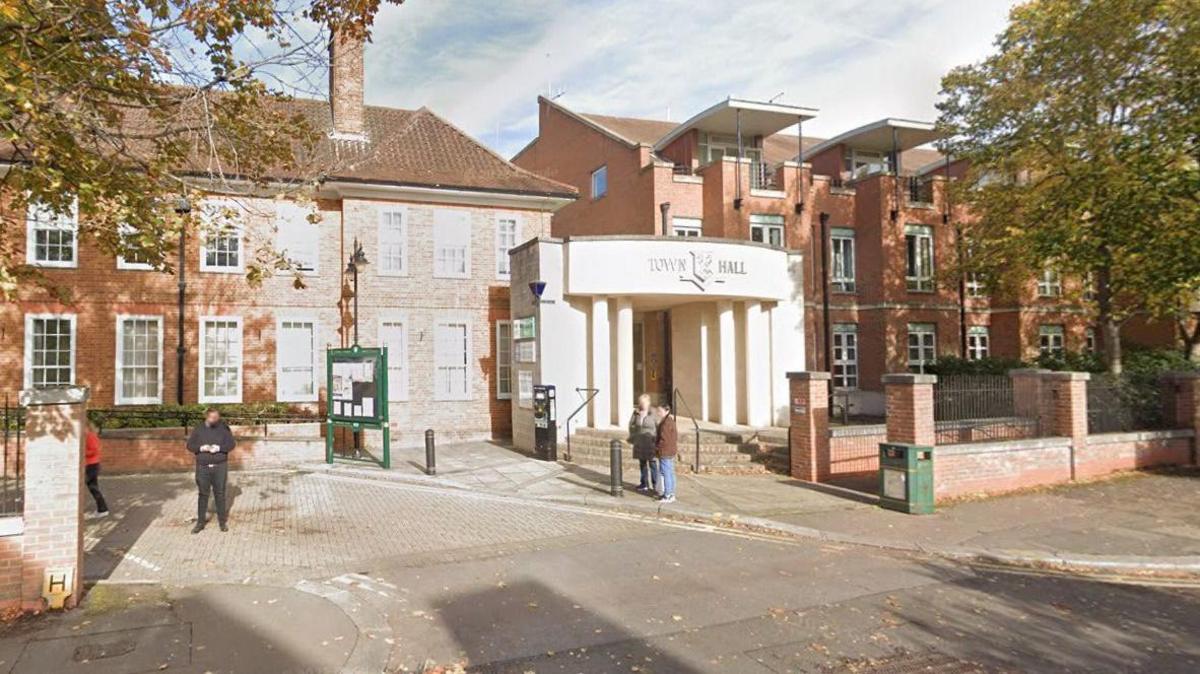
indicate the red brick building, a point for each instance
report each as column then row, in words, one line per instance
column 878, row 191
column 436, row 213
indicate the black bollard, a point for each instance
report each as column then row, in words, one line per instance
column 614, row 468
column 430, row 458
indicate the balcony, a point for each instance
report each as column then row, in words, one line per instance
column 763, row 176
column 918, row 191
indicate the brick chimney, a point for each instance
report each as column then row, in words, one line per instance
column 346, row 86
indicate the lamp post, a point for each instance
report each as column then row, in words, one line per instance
column 182, row 208
column 357, row 259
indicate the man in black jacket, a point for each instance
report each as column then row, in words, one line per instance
column 211, row 442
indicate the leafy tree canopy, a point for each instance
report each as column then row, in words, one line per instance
column 1083, row 135
column 119, row 107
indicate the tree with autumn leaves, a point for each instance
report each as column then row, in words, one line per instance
column 1082, row 133
column 118, row 108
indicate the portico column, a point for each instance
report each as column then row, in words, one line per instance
column 705, row 341
column 727, row 364
column 758, row 365
column 601, row 363
column 624, row 359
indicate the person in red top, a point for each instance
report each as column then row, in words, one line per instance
column 92, row 471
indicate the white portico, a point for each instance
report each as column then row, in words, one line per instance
column 720, row 321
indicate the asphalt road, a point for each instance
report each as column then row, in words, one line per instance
column 652, row 598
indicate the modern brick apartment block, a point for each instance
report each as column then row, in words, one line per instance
column 880, row 195
column 436, row 213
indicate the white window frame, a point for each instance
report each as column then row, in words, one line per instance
column 441, row 225
column 503, row 260
column 687, row 227
column 975, row 286
column 1089, row 341
column 979, row 342
column 39, row 217
column 1046, row 340
column 125, row 265
column 119, row 379
column 208, row 208
column 768, row 224
column 1049, row 283
column 843, row 268
column 504, row 371
column 291, row 226
column 386, row 238
column 524, row 392
column 29, row 319
column 845, row 338
column 600, row 190
column 862, row 163
column 280, row 394
column 397, row 359
column 440, row 393
column 917, row 279
column 241, row 364
column 922, row 331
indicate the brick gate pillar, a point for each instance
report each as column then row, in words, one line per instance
column 1182, row 396
column 910, row 408
column 1067, row 406
column 55, row 424
column 809, row 436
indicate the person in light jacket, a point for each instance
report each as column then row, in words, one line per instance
column 666, row 446
column 643, row 427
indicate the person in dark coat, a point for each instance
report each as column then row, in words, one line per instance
column 211, row 442
column 643, row 427
column 666, row 447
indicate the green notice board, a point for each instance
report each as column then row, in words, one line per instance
column 356, row 382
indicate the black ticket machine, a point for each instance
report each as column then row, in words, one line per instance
column 545, row 423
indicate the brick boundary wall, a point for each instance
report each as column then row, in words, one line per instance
column 997, row 467
column 159, row 450
column 1057, row 401
column 854, row 450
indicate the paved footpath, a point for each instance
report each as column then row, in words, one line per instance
column 1133, row 522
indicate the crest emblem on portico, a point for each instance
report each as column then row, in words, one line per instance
column 702, row 271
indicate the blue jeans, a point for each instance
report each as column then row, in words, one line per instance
column 649, row 468
column 667, row 468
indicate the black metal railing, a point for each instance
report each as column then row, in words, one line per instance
column 978, row 408
column 762, row 176
column 12, row 470
column 918, row 190
column 1119, row 403
column 677, row 402
column 683, row 170
column 586, row 401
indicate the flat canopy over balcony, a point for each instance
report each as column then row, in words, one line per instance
column 879, row 137
column 758, row 119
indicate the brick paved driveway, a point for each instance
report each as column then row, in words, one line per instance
column 289, row 525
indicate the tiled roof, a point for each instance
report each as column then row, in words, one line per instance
column 403, row 147
column 776, row 148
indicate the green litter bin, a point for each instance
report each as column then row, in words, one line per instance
column 906, row 478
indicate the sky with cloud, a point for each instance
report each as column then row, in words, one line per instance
column 482, row 64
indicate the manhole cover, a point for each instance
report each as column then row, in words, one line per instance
column 139, row 649
column 104, row 649
column 912, row 663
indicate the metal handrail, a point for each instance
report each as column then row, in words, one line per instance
column 591, row 394
column 679, row 401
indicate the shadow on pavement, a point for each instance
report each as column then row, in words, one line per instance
column 1024, row 622
column 523, row 628
column 136, row 504
column 210, row 628
column 858, row 489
